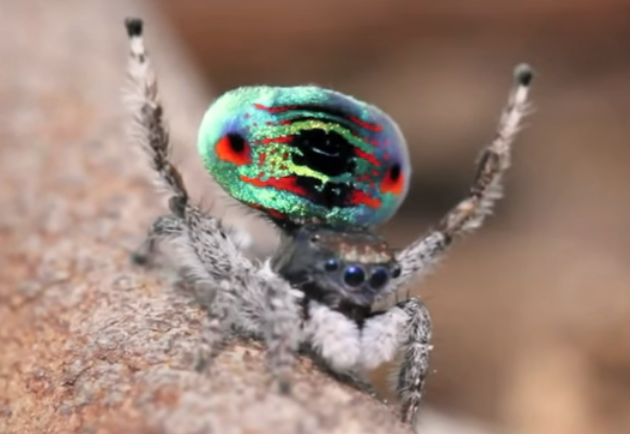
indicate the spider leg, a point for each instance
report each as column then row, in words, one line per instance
column 405, row 326
column 252, row 297
column 348, row 349
column 151, row 128
column 470, row 213
column 335, row 345
column 163, row 228
column 333, row 336
column 247, row 295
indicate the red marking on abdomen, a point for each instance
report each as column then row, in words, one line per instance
column 365, row 156
column 270, row 211
column 274, row 109
column 285, row 183
column 358, row 197
column 281, row 139
column 366, row 125
column 226, row 151
column 373, row 142
column 391, row 184
column 261, row 159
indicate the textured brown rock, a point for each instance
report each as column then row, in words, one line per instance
column 88, row 343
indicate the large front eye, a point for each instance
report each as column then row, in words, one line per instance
column 354, row 276
column 379, row 278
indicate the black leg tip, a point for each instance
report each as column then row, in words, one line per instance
column 134, row 26
column 524, row 74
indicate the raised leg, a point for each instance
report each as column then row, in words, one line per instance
column 151, row 130
column 247, row 294
column 470, row 213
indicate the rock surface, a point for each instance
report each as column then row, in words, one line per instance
column 89, row 343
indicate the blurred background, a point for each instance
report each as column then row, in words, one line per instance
column 532, row 313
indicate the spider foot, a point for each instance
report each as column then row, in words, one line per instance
column 142, row 258
column 409, row 411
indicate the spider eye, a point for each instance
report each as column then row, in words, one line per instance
column 379, row 278
column 331, row 265
column 396, row 270
column 354, row 276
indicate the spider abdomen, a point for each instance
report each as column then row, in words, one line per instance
column 306, row 155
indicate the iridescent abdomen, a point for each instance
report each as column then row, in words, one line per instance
column 306, row 154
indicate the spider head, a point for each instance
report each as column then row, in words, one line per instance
column 337, row 267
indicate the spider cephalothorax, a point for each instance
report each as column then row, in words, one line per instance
column 344, row 270
column 326, row 168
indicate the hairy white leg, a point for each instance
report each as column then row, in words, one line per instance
column 382, row 336
column 163, row 228
column 334, row 341
column 469, row 214
column 335, row 337
column 346, row 348
column 247, row 294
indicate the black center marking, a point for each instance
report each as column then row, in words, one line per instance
column 328, row 153
column 237, row 142
column 333, row 194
